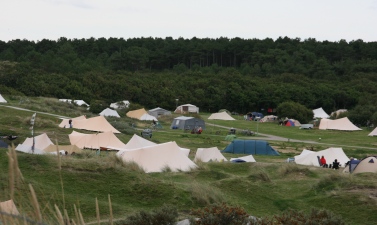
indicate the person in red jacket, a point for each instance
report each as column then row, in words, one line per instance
column 323, row 162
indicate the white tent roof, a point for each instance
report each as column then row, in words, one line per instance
column 373, row 133
column 98, row 123
column 338, row 124
column 65, row 122
column 109, row 112
column 2, row 100
column 9, row 207
column 80, row 102
column 320, row 113
column 220, row 116
column 141, row 114
column 248, row 158
column 27, row 149
column 42, row 141
column 120, row 104
column 146, row 116
column 209, row 154
column 310, row 158
column 157, row 158
column 95, row 141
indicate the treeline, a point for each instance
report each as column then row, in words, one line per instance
column 237, row 74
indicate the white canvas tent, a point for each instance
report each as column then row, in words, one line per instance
column 120, row 104
column 158, row 158
column 220, row 116
column 42, row 141
column 209, row 154
column 310, row 158
column 141, row 114
column 2, row 100
column 339, row 124
column 66, row 148
column 139, row 142
column 248, row 158
column 95, row 141
column 98, row 123
column 373, row 133
column 109, row 112
column 65, row 122
column 8, row 207
column 187, row 108
column 320, row 113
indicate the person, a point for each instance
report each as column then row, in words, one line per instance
column 154, row 122
column 70, row 123
column 347, row 163
column 335, row 164
column 323, row 162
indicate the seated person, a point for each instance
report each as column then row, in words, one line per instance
column 335, row 164
column 323, row 162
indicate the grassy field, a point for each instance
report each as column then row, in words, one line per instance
column 265, row 188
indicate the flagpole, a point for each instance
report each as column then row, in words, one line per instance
column 32, row 131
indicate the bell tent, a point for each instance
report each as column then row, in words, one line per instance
column 109, row 112
column 209, row 154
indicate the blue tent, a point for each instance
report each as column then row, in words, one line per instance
column 254, row 147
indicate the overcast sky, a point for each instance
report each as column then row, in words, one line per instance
column 330, row 20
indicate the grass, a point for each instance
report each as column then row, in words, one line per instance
column 267, row 187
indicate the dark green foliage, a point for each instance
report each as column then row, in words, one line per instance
column 165, row 215
column 293, row 110
column 220, row 214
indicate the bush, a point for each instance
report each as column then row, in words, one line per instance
column 220, row 214
column 166, row 215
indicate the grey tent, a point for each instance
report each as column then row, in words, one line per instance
column 156, row 112
column 187, row 123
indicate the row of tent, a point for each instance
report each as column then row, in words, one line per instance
column 311, row 158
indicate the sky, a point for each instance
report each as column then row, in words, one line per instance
column 331, row 20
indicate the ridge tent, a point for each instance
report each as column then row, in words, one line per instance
column 8, row 207
column 158, row 158
column 184, row 122
column 156, row 112
column 209, row 154
column 255, row 147
column 109, row 112
column 95, row 141
column 366, row 165
column 220, row 116
column 120, row 104
column 98, row 123
column 187, row 108
column 42, row 141
column 66, row 148
column 339, row 124
column 373, row 133
column 140, row 114
column 248, row 158
column 2, row 100
column 65, row 122
column 310, row 158
column 320, row 113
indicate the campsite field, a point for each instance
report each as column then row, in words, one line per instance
column 265, row 188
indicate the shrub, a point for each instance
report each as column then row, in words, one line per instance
column 165, row 215
column 220, row 214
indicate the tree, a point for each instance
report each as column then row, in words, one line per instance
column 294, row 110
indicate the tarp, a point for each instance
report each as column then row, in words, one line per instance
column 65, row 122
column 158, row 158
column 366, row 165
column 255, row 147
column 98, row 123
column 310, row 158
column 187, row 108
column 220, row 116
column 209, row 154
column 9, row 207
column 2, row 100
column 120, row 104
column 373, row 133
column 320, row 113
column 95, row 141
column 109, row 112
column 141, row 114
column 339, row 124
column 248, row 158
column 69, row 148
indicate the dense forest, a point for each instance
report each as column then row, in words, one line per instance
column 240, row 75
